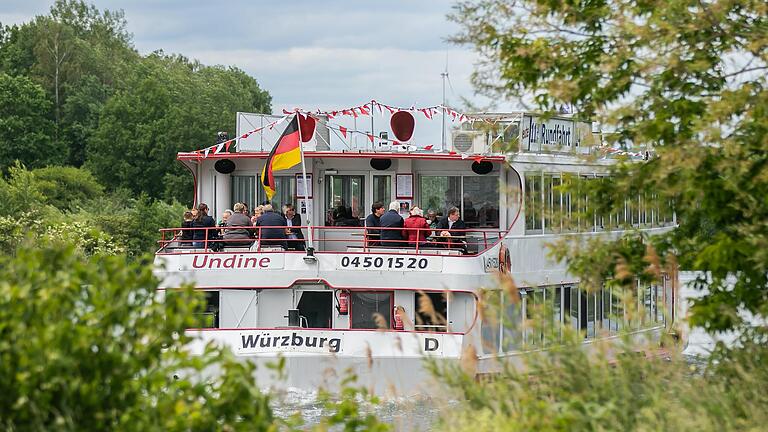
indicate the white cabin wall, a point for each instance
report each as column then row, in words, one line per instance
column 223, row 195
column 273, row 307
column 461, row 311
column 238, row 308
column 514, row 202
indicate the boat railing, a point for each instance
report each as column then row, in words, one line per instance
column 329, row 239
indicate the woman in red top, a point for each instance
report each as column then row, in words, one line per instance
column 415, row 220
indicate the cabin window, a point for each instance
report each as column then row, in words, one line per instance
column 371, row 310
column 207, row 315
column 490, row 322
column 440, row 193
column 315, row 308
column 480, row 203
column 533, row 201
column 382, row 189
column 344, row 200
column 431, row 312
column 285, row 192
column 244, row 190
column 512, row 323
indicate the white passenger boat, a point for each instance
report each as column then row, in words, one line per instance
column 335, row 308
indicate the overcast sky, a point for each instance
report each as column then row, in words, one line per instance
column 308, row 54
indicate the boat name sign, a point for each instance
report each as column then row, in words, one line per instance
column 390, row 262
column 221, row 261
column 350, row 343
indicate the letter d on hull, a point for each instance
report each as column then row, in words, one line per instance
column 431, row 344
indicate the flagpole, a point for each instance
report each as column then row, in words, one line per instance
column 310, row 235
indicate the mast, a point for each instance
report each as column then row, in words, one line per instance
column 444, row 76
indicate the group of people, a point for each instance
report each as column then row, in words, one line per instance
column 237, row 228
column 413, row 230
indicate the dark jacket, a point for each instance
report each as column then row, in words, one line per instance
column 413, row 235
column 372, row 235
column 238, row 220
column 268, row 235
column 187, row 233
column 296, row 221
column 392, row 238
column 458, row 225
column 203, row 222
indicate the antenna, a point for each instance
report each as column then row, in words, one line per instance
column 444, row 76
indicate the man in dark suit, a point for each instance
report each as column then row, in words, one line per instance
column 447, row 226
column 269, row 236
column 294, row 235
column 374, row 220
column 391, row 219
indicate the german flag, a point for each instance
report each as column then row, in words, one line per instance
column 286, row 154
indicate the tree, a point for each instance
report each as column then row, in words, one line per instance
column 26, row 134
column 687, row 80
column 89, row 345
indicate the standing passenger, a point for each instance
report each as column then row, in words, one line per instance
column 202, row 222
column 272, row 228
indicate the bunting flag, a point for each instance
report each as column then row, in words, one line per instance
column 429, row 147
column 284, row 155
column 343, row 131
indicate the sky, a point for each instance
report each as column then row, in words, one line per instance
column 308, row 54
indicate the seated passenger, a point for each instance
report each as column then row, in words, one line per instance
column 271, row 228
column 391, row 219
column 374, row 220
column 186, row 233
column 295, row 236
column 432, row 218
column 416, row 227
column 447, row 229
column 240, row 236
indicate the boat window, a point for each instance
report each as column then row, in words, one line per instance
column 658, row 293
column 481, row 201
column 285, row 193
column 440, row 193
column 591, row 299
column 207, row 315
column 512, row 323
column 344, row 200
column 574, row 313
column 244, row 190
column 382, row 189
column 490, row 322
column 371, row 310
column 431, row 312
column 533, row 201
column 554, row 299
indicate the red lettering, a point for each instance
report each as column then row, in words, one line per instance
column 264, row 262
column 229, row 262
column 217, row 261
column 202, row 264
column 253, row 262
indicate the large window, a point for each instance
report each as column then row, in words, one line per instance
column 491, row 322
column 477, row 197
column 440, row 193
column 248, row 190
column 371, row 310
column 344, row 200
column 533, row 201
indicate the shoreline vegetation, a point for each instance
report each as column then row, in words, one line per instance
column 88, row 138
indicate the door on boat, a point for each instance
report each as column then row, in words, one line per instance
column 315, row 308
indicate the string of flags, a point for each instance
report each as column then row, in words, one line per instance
column 224, row 146
column 367, row 108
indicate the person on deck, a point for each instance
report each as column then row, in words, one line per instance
column 271, row 228
column 416, row 228
column 391, row 219
column 447, row 226
column 374, row 220
column 295, row 236
column 186, row 233
column 432, row 218
column 238, row 236
column 202, row 222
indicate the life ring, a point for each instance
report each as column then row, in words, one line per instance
column 505, row 262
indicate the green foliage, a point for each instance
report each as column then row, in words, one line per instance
column 89, row 345
column 171, row 105
column 66, row 187
column 686, row 80
column 26, row 135
column 611, row 384
column 88, row 98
